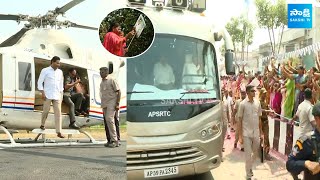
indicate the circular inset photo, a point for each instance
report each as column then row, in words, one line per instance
column 126, row 32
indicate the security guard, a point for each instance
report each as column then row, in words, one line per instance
column 305, row 155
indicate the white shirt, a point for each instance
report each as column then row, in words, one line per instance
column 187, row 80
column 237, row 107
column 225, row 108
column 304, row 112
column 250, row 113
column 230, row 105
column 51, row 82
column 163, row 74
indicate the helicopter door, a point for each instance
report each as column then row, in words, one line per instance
column 25, row 82
column 8, row 77
column 95, row 110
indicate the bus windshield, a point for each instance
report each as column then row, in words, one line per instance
column 175, row 67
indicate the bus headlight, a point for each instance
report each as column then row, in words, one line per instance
column 210, row 131
column 204, row 133
column 215, row 129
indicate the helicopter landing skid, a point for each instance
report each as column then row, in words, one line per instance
column 5, row 130
column 49, row 142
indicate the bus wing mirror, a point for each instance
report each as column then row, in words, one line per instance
column 198, row 6
column 230, row 68
column 110, row 68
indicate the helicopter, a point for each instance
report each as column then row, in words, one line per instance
column 27, row 52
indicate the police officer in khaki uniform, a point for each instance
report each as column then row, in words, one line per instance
column 265, row 123
column 249, row 116
column 305, row 155
column 110, row 99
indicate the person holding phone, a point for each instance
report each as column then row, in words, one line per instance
column 71, row 97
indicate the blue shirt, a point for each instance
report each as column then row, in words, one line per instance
column 302, row 151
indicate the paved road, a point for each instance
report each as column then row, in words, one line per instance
column 82, row 162
column 233, row 167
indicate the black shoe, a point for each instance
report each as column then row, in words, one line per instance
column 77, row 113
column 268, row 157
column 106, row 144
column 42, row 127
column 112, row 145
column 84, row 114
column 117, row 144
column 74, row 126
column 242, row 149
column 251, row 173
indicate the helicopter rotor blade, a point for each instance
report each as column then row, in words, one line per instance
column 67, row 6
column 9, row 17
column 82, row 26
column 14, row 38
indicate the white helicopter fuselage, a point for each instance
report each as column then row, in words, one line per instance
column 20, row 66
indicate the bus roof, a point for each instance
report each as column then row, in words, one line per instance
column 181, row 22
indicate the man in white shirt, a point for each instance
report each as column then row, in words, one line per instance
column 304, row 113
column 238, row 136
column 249, row 114
column 230, row 106
column 226, row 113
column 50, row 84
column 191, row 74
column 163, row 74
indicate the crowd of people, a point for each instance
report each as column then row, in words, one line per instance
column 282, row 91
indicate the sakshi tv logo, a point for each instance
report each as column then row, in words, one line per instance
column 299, row 15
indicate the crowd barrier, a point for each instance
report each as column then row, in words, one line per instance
column 283, row 135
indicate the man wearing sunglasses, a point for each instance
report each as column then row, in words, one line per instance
column 249, row 114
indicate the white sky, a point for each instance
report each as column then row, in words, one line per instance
column 226, row 9
column 91, row 12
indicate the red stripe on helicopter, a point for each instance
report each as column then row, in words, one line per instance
column 23, row 103
column 96, row 112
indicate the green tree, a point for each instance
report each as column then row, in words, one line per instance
column 127, row 18
column 249, row 35
column 233, row 27
column 272, row 17
column 241, row 31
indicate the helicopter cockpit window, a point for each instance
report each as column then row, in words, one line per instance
column 25, row 81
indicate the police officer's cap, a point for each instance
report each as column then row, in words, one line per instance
column 316, row 109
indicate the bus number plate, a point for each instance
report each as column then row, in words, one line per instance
column 160, row 172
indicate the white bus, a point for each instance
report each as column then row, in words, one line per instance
column 175, row 127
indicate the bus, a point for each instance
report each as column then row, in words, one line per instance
column 174, row 115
